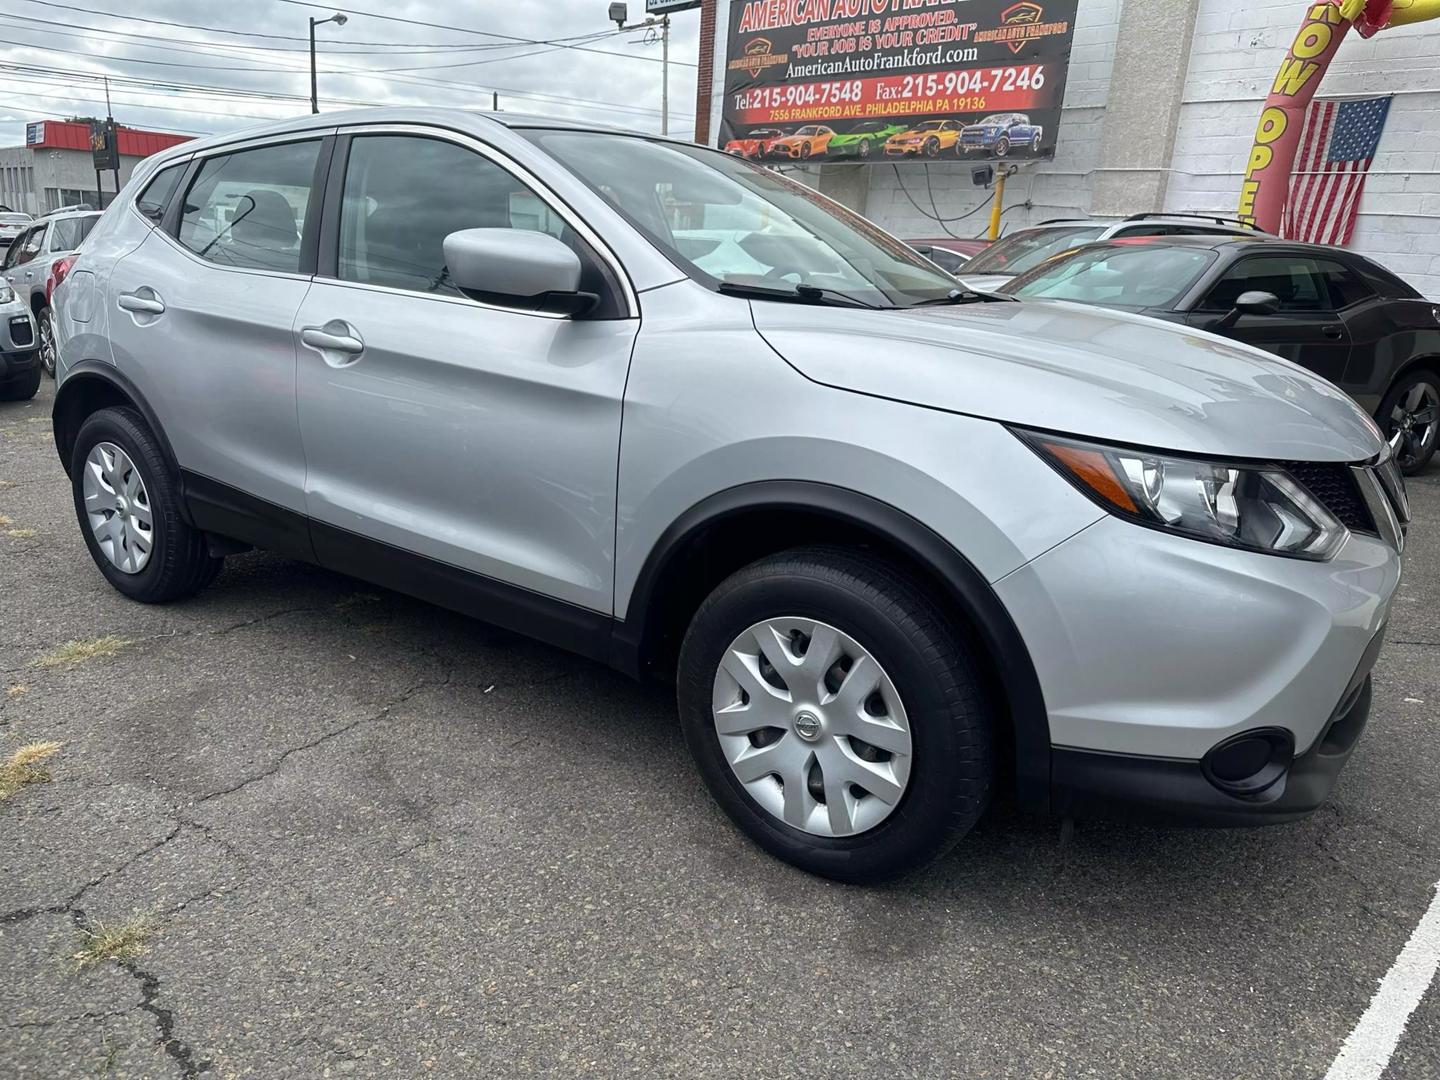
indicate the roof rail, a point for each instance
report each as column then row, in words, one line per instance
column 1199, row 217
column 1057, row 220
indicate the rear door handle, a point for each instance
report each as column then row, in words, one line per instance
column 142, row 305
column 337, row 342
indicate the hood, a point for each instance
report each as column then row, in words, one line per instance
column 1067, row 368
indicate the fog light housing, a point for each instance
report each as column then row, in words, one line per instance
column 1251, row 762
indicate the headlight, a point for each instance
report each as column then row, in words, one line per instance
column 7, row 294
column 1259, row 508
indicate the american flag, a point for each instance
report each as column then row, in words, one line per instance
column 1337, row 145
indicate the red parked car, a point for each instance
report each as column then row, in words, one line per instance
column 756, row 144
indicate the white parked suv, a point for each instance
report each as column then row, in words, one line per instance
column 895, row 543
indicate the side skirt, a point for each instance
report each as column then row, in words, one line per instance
column 220, row 509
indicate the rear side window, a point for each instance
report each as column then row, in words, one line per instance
column 1345, row 286
column 29, row 245
column 249, row 209
column 157, row 193
column 67, row 234
column 1294, row 279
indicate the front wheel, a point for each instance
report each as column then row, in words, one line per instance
column 1410, row 414
column 1035, row 143
column 21, row 387
column 128, row 504
column 932, row 147
column 47, row 342
column 835, row 714
column 865, row 150
column 1002, row 147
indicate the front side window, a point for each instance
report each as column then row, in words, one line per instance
column 727, row 221
column 404, row 194
column 1122, row 276
column 1028, row 248
column 1294, row 279
column 248, row 209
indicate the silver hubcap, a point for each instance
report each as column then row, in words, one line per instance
column 118, row 508
column 1414, row 422
column 47, row 343
column 812, row 726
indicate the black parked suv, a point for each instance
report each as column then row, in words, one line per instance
column 1339, row 314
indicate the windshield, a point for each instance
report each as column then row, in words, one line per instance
column 992, row 120
column 1030, row 247
column 929, row 125
column 727, row 221
column 1131, row 276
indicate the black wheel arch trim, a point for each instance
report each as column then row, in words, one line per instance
column 85, row 374
column 1009, row 656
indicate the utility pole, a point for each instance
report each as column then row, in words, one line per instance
column 115, row 135
column 339, row 20
column 619, row 13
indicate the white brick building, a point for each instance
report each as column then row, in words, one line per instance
column 1138, row 135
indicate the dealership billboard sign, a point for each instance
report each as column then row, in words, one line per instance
column 893, row 80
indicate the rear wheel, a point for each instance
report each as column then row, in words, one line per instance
column 47, row 341
column 1410, row 414
column 835, row 714
column 128, row 505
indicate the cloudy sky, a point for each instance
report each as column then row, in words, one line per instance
column 234, row 65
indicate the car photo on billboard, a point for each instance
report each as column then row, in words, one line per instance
column 755, row 144
column 1002, row 133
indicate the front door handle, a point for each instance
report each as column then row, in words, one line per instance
column 1334, row 332
column 337, row 342
column 142, row 305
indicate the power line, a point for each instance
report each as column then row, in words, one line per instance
column 466, row 30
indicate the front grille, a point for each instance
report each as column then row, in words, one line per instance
column 21, row 333
column 1334, row 487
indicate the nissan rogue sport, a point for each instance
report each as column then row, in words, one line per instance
column 896, row 543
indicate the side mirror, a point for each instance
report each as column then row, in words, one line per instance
column 517, row 268
column 1249, row 303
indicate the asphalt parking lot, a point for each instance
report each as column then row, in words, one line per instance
column 361, row 836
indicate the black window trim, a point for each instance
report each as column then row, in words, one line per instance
column 328, row 242
column 170, row 226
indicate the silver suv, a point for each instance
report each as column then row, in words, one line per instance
column 897, row 544
column 38, row 258
column 1029, row 247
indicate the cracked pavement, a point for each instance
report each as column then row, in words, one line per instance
column 376, row 839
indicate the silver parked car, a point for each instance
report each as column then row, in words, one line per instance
column 897, row 544
column 39, row 258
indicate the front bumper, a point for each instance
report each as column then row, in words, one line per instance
column 902, row 151
column 19, row 343
column 1152, row 650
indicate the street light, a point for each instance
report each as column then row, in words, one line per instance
column 339, row 20
column 619, row 13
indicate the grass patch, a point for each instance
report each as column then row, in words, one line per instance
column 77, row 652
column 112, row 944
column 25, row 767
column 20, row 534
column 5, row 521
column 16, row 689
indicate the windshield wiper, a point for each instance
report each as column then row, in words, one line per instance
column 968, row 295
column 803, row 293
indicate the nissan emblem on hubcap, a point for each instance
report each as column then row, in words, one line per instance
column 807, row 727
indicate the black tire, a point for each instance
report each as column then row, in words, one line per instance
column 805, row 150
column 931, row 667
column 22, row 387
column 932, row 146
column 865, row 149
column 1417, row 446
column 1035, row 144
column 46, row 321
column 1002, row 146
column 180, row 562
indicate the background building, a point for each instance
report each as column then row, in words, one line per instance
column 54, row 167
column 1159, row 113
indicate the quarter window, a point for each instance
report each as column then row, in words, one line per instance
column 249, row 208
column 1295, row 280
column 1345, row 286
column 156, row 196
column 405, row 194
